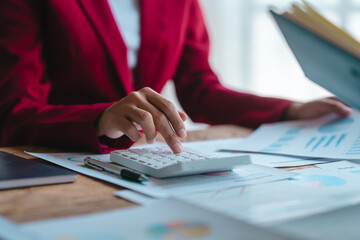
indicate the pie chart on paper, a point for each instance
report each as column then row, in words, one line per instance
column 319, row 180
column 180, row 229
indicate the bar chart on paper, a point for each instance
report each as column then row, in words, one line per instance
column 327, row 137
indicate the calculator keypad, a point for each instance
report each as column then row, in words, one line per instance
column 162, row 162
column 160, row 157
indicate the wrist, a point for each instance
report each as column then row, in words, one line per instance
column 97, row 125
column 292, row 112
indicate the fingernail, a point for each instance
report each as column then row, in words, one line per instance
column 348, row 109
column 182, row 133
column 152, row 141
column 177, row 148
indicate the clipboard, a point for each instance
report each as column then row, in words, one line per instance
column 323, row 62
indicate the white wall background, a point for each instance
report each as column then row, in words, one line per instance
column 249, row 54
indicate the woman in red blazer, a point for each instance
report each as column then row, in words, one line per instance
column 65, row 80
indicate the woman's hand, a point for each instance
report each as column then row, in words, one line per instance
column 317, row 108
column 147, row 109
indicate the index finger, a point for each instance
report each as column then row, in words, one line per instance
column 170, row 111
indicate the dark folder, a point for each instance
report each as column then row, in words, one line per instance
column 323, row 62
column 17, row 172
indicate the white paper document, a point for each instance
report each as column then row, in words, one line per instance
column 327, row 137
column 283, row 161
column 341, row 223
column 10, row 231
column 342, row 166
column 168, row 219
column 160, row 188
column 136, row 197
column 256, row 158
column 313, row 191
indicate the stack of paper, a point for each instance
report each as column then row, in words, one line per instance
column 310, row 19
column 338, row 224
column 328, row 55
column 315, row 190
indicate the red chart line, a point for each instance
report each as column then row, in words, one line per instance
column 241, row 192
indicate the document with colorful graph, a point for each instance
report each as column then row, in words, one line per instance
column 168, row 219
column 327, row 137
column 313, row 191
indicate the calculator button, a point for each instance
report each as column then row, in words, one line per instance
column 139, row 151
column 119, row 151
column 184, row 160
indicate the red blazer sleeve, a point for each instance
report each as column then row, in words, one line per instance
column 201, row 94
column 26, row 115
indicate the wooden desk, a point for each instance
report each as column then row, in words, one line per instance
column 86, row 195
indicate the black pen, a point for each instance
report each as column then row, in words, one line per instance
column 111, row 168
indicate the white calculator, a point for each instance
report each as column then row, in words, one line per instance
column 161, row 162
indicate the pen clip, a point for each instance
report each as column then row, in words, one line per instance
column 88, row 163
column 122, row 172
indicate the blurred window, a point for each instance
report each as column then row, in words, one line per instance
column 249, row 53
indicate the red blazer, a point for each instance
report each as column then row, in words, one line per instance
column 62, row 62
